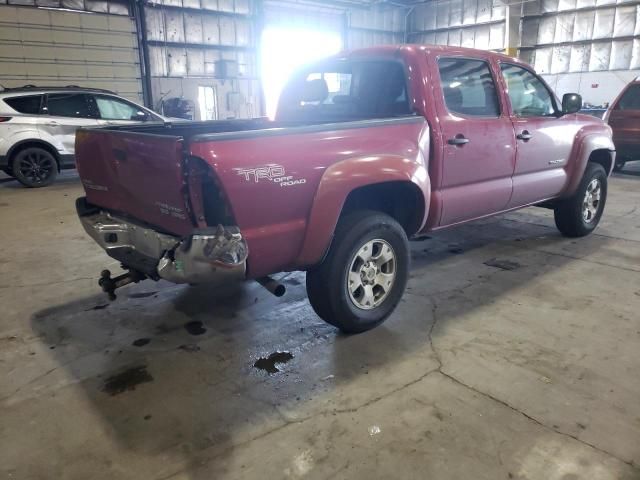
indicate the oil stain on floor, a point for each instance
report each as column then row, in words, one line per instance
column 126, row 380
column 268, row 364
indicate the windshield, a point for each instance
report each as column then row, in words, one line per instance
column 346, row 90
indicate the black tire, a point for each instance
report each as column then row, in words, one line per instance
column 619, row 165
column 327, row 284
column 34, row 167
column 568, row 213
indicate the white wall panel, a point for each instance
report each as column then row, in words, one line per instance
column 50, row 47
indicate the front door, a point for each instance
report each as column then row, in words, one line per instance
column 63, row 114
column 544, row 138
column 479, row 145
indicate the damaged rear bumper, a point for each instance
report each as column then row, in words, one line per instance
column 216, row 254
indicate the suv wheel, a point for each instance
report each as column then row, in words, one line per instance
column 579, row 214
column 364, row 275
column 34, row 167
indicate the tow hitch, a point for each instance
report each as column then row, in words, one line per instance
column 109, row 285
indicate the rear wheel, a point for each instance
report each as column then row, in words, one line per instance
column 34, row 167
column 580, row 214
column 364, row 275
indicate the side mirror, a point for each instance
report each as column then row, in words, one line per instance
column 571, row 103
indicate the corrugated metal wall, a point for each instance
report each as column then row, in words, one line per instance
column 187, row 38
column 587, row 46
column 52, row 47
column 382, row 25
column 467, row 23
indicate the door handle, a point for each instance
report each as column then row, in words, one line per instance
column 458, row 140
column 52, row 123
column 524, row 135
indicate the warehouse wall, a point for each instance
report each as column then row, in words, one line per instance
column 54, row 47
column 188, row 38
column 380, row 25
column 468, row 23
column 588, row 46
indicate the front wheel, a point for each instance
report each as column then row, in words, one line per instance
column 580, row 214
column 363, row 277
column 34, row 167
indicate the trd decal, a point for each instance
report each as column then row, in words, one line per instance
column 271, row 173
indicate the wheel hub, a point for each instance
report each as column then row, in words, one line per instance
column 371, row 274
column 591, row 201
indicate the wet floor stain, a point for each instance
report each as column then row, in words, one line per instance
column 141, row 342
column 98, row 307
column 455, row 250
column 195, row 328
column 502, row 264
column 127, row 380
column 141, row 294
column 191, row 347
column 268, row 364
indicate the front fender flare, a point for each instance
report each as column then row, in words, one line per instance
column 339, row 180
column 587, row 144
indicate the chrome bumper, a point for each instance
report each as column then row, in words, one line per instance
column 209, row 255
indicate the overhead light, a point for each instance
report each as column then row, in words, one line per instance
column 455, row 84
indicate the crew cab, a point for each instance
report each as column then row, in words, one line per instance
column 368, row 148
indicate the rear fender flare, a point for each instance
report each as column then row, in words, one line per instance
column 587, row 144
column 339, row 180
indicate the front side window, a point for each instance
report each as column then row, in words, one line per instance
column 468, row 87
column 114, row 109
column 69, row 105
column 630, row 100
column 29, row 104
column 346, row 90
column 529, row 96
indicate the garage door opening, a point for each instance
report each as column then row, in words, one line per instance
column 284, row 50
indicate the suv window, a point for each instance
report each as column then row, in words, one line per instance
column 25, row 104
column 630, row 100
column 114, row 109
column 346, row 90
column 468, row 87
column 69, row 105
column 529, row 96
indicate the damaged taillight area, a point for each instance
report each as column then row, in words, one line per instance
column 198, row 258
column 206, row 195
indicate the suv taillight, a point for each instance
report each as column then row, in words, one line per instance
column 4, row 119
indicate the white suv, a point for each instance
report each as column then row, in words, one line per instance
column 38, row 127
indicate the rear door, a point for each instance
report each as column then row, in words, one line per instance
column 544, row 139
column 63, row 114
column 479, row 153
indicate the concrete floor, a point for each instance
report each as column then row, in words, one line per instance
column 527, row 369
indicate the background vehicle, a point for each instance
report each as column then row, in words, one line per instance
column 624, row 118
column 38, row 127
column 367, row 149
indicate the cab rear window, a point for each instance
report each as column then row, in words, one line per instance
column 29, row 104
column 631, row 99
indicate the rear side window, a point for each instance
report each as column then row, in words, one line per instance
column 630, row 100
column 344, row 90
column 26, row 104
column 69, row 105
column 468, row 87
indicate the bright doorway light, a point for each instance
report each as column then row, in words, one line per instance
column 286, row 49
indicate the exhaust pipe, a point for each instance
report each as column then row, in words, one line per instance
column 275, row 287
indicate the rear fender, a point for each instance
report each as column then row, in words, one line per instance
column 340, row 180
column 586, row 145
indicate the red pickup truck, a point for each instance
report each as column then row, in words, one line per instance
column 368, row 148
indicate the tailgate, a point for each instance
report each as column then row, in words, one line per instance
column 136, row 174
